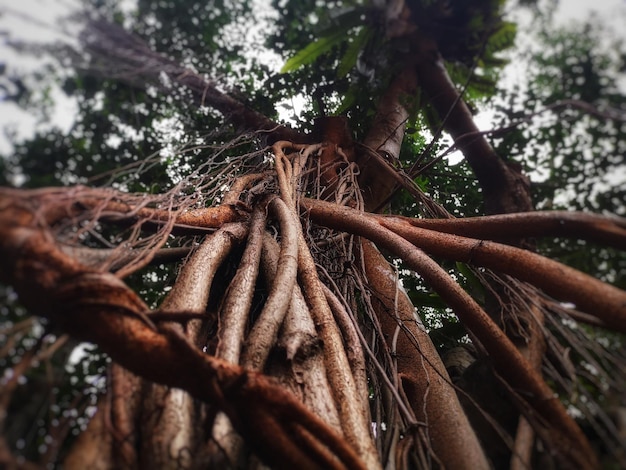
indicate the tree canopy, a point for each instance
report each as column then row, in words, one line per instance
column 253, row 248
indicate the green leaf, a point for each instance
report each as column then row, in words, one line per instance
column 503, row 38
column 334, row 36
column 313, row 51
column 348, row 100
column 348, row 61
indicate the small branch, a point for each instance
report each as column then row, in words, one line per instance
column 609, row 113
column 233, row 194
column 55, row 204
column 95, row 257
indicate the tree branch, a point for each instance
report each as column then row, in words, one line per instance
column 425, row 381
column 609, row 231
column 557, row 280
column 378, row 179
column 504, row 189
column 104, row 311
column 120, row 55
column 555, row 426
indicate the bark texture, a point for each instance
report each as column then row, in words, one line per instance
column 423, row 376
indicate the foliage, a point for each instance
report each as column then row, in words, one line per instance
column 576, row 159
column 570, row 145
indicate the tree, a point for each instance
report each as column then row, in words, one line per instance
column 286, row 334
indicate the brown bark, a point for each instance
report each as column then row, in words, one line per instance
column 95, row 257
column 301, row 369
column 170, row 418
column 378, row 175
column 554, row 426
column 607, row 230
column 559, row 281
column 504, row 189
column 97, row 307
column 562, row 282
column 265, row 331
column 424, row 379
column 354, row 352
column 338, row 150
column 356, row 428
column 109, row 205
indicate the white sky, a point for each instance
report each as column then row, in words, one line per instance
column 36, row 20
column 32, row 21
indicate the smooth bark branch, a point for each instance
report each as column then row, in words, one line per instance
column 288, row 172
column 505, row 188
column 556, row 426
column 265, row 331
column 354, row 351
column 238, row 299
column 97, row 257
column 609, row 231
column 590, row 295
column 233, row 318
column 209, row 217
column 190, row 292
column 424, row 379
column 233, row 194
column 55, row 204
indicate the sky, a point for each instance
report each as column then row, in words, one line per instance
column 39, row 21
column 579, row 9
